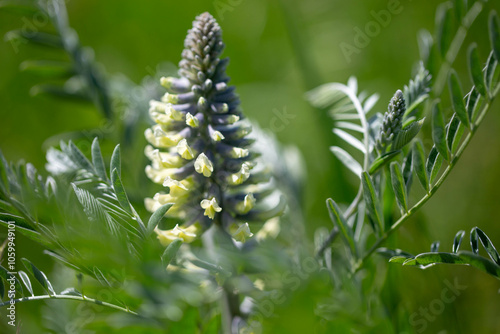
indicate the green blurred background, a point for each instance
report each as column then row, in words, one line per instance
column 279, row 50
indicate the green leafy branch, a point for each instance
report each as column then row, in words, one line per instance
column 388, row 180
column 447, row 146
column 44, row 209
column 32, row 271
column 425, row 260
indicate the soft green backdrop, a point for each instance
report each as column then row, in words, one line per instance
column 279, row 50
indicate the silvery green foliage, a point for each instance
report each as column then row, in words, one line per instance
column 199, row 148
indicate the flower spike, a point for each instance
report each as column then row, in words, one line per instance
column 199, row 147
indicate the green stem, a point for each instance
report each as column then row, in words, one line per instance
column 434, row 189
column 70, row 297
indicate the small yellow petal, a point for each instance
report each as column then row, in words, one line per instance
column 187, row 234
column 170, row 98
column 185, row 150
column 271, row 229
column 211, row 207
column 177, row 189
column 203, row 165
column 192, row 121
column 246, row 205
column 233, row 119
column 157, row 106
column 242, row 233
column 217, row 136
column 237, row 153
column 241, row 176
column 158, row 175
column 166, row 82
column 159, row 138
column 174, row 114
column 160, row 160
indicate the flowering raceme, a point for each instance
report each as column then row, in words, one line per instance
column 199, row 147
column 393, row 120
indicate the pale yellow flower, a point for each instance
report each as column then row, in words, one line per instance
column 166, row 82
column 241, row 176
column 246, row 205
column 231, row 119
column 203, row 165
column 159, row 199
column 177, row 189
column 187, row 234
column 271, row 229
column 217, row 136
column 162, row 159
column 185, row 150
column 242, row 233
column 158, row 175
column 238, row 152
column 192, row 121
column 211, row 207
column 159, row 138
column 170, row 98
column 174, row 114
column 157, row 106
